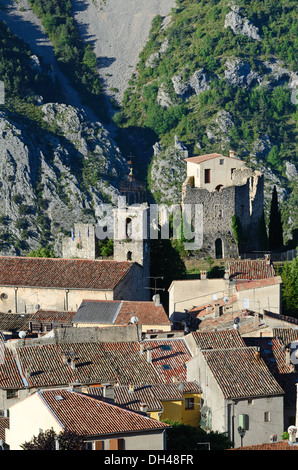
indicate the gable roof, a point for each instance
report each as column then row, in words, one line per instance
column 211, row 156
column 151, row 394
column 250, row 269
column 218, row 339
column 241, row 373
column 88, row 416
column 120, row 312
column 62, row 273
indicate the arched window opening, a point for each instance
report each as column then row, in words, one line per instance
column 128, row 228
column 129, row 256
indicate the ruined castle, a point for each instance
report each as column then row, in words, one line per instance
column 231, row 197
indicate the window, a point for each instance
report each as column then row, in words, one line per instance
column 129, row 256
column 12, row 394
column 267, row 417
column 207, row 176
column 189, row 403
column 232, row 172
column 250, row 401
column 221, row 161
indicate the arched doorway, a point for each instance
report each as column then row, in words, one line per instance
column 218, row 248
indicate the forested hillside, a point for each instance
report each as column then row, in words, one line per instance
column 220, row 76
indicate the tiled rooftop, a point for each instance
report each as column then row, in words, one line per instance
column 240, row 373
column 203, row 158
column 151, row 395
column 225, row 321
column 4, row 424
column 250, row 269
column 62, row 273
column 45, row 365
column 10, row 377
column 169, row 358
column 281, row 445
column 120, row 312
column 14, row 322
column 218, row 339
column 51, row 316
column 89, row 416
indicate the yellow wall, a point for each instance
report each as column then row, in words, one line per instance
column 175, row 410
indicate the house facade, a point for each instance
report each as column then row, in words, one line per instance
column 239, row 394
column 30, row 284
column 103, row 426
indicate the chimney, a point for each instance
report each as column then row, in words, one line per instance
column 149, row 356
column 227, row 274
column 216, row 310
column 257, row 353
column 108, row 392
column 273, row 438
column 73, row 364
column 232, row 153
column 156, row 299
column 288, row 356
column 267, row 258
column 143, row 408
column 292, row 430
column 131, row 388
column 141, row 349
column 203, row 275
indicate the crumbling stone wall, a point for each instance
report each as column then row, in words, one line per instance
column 244, row 200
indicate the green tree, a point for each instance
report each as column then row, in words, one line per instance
column 47, row 441
column 289, row 275
column 42, row 252
column 181, row 437
column 275, row 224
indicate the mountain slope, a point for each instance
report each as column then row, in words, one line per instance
column 220, row 76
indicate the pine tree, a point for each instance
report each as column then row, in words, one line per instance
column 275, row 224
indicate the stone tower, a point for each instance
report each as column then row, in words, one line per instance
column 131, row 236
column 227, row 191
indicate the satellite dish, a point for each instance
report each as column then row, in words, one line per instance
column 37, row 307
column 226, row 300
column 236, row 320
column 22, row 334
column 134, row 320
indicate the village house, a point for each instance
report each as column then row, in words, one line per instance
column 30, row 284
column 247, row 285
column 151, row 316
column 103, row 425
column 240, row 395
column 176, row 401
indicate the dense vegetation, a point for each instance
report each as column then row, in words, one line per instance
column 198, row 39
column 76, row 59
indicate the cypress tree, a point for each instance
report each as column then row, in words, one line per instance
column 275, row 224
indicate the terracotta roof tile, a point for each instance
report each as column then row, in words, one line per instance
column 52, row 316
column 62, row 273
column 88, row 416
column 281, row 445
column 10, row 377
column 218, row 339
column 169, row 358
column 250, row 269
column 121, row 312
column 240, row 373
column 45, row 366
column 203, row 158
column 4, row 424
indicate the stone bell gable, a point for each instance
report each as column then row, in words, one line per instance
column 227, row 190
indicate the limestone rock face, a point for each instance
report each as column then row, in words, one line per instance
column 49, row 180
column 241, row 25
column 239, row 73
